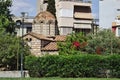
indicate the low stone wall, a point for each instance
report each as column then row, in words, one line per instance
column 12, row 74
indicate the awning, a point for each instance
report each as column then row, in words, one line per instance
column 83, row 15
column 83, row 26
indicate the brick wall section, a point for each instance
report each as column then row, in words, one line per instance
column 35, row 45
column 44, row 28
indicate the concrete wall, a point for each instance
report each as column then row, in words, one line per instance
column 108, row 12
column 13, row 74
column 49, row 53
column 27, row 24
column 65, row 16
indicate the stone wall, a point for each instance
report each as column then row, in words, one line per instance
column 34, row 44
column 49, row 53
column 13, row 74
column 45, row 29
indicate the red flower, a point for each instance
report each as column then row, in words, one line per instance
column 76, row 44
column 98, row 50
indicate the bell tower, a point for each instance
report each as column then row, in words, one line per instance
column 41, row 5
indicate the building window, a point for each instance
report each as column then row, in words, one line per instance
column 118, row 9
column 83, row 9
column 29, row 29
column 45, row 1
column 67, row 31
column 119, row 32
column 66, row 13
column 28, row 39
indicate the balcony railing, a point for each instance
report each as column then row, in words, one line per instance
column 84, row 1
column 83, row 15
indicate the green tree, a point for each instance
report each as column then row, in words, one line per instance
column 10, row 46
column 51, row 7
column 6, row 21
column 105, row 42
column 10, row 50
column 74, row 44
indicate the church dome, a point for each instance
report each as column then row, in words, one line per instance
column 44, row 16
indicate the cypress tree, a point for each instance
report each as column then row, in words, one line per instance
column 51, row 6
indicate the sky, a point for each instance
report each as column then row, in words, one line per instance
column 30, row 6
column 19, row 6
column 95, row 8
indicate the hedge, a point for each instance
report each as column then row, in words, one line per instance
column 74, row 66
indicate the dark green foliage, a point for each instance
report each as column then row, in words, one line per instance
column 105, row 42
column 43, row 66
column 4, row 7
column 51, row 7
column 10, row 50
column 114, row 65
column 11, row 46
column 73, row 66
column 68, row 46
column 6, row 21
column 32, row 64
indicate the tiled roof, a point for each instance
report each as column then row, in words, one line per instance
column 83, row 15
column 45, row 15
column 39, row 36
column 52, row 46
column 114, row 24
column 60, row 38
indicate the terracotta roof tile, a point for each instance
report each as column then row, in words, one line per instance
column 60, row 38
column 39, row 36
column 52, row 46
column 114, row 24
column 45, row 15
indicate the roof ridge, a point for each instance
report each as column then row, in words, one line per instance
column 39, row 36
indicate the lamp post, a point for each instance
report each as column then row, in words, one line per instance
column 18, row 25
column 94, row 26
column 24, row 15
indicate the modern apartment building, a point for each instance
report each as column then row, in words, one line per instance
column 108, row 10
column 27, row 25
column 42, row 4
column 73, row 16
column 116, row 26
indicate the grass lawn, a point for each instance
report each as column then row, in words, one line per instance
column 59, row 79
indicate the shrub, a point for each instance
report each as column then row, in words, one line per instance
column 32, row 64
column 114, row 65
column 73, row 66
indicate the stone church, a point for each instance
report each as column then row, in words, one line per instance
column 44, row 23
column 43, row 39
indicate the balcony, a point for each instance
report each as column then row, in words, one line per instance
column 82, row 26
column 82, row 15
column 83, row 1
